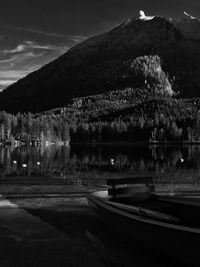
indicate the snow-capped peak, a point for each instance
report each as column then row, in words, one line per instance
column 142, row 16
column 186, row 15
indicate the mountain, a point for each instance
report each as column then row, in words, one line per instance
column 189, row 25
column 99, row 65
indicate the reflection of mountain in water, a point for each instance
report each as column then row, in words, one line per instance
column 105, row 160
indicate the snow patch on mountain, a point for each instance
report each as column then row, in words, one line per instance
column 188, row 16
column 142, row 16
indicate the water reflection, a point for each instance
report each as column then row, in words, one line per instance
column 62, row 161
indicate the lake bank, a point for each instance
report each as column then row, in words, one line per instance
column 62, row 207
column 17, row 143
column 26, row 240
column 68, row 216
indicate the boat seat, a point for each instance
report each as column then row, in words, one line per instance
column 130, row 187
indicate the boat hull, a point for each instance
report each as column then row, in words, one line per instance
column 180, row 243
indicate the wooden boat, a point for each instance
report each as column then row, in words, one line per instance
column 162, row 227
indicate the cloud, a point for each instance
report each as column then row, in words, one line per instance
column 78, row 38
column 26, row 57
column 34, row 45
column 5, row 83
column 8, row 60
column 12, row 74
column 18, row 49
column 9, row 77
column 74, row 38
column 51, row 34
column 30, row 45
column 20, row 58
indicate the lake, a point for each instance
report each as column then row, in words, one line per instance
column 173, row 168
column 92, row 164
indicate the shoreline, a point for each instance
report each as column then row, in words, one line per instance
column 142, row 143
column 138, row 143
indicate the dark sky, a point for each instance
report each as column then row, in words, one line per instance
column 33, row 32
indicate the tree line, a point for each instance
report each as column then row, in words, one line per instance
column 153, row 120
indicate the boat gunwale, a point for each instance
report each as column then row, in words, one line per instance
column 106, row 205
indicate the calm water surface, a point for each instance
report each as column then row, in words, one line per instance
column 95, row 162
column 171, row 167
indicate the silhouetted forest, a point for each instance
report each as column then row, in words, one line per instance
column 123, row 115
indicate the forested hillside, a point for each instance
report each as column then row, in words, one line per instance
column 150, row 112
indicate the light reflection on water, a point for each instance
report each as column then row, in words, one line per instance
column 62, row 161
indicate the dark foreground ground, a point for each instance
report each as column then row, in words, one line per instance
column 41, row 228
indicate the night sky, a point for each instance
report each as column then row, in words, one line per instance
column 34, row 32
